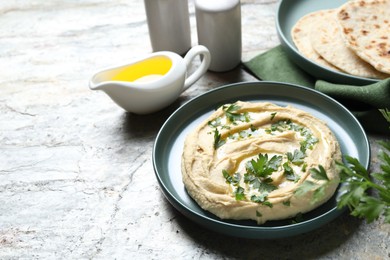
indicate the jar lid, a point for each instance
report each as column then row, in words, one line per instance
column 216, row 5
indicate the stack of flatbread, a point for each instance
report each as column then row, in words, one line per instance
column 354, row 38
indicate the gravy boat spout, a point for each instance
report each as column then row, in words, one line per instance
column 149, row 84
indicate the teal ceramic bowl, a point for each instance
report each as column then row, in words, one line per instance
column 288, row 13
column 169, row 142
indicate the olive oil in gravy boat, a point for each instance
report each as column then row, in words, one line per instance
column 149, row 84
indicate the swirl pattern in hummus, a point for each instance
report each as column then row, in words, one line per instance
column 260, row 161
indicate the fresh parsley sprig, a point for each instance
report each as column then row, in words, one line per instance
column 257, row 175
column 358, row 182
column 234, row 180
column 218, row 142
column 386, row 114
column 233, row 116
column 297, row 157
column 310, row 186
column 262, row 166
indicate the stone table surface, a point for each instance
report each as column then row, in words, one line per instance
column 76, row 173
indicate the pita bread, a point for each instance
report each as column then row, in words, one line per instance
column 301, row 36
column 328, row 42
column 366, row 30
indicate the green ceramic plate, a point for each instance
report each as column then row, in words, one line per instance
column 289, row 12
column 170, row 139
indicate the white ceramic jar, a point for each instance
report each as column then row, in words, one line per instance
column 219, row 29
column 169, row 25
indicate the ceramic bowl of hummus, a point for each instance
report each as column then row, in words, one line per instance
column 257, row 159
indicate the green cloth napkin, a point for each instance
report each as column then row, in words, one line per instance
column 362, row 101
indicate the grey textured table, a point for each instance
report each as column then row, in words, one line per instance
column 76, row 178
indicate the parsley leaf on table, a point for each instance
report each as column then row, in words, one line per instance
column 386, row 113
column 357, row 184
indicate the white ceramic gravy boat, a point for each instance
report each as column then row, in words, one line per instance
column 149, row 84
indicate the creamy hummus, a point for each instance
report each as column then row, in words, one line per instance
column 260, row 161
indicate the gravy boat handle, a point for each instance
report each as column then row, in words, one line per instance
column 206, row 59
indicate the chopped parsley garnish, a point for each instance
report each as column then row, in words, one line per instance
column 282, row 125
column 279, row 126
column 215, row 123
column 273, row 115
column 232, row 179
column 244, row 134
column 257, row 175
column 318, row 189
column 233, row 117
column 298, row 218
column 218, row 142
column 289, row 172
column 296, row 128
column 262, row 167
column 240, row 193
column 262, row 185
column 304, row 166
column 297, row 157
column 261, row 199
column 306, row 187
column 308, row 142
column 230, row 108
